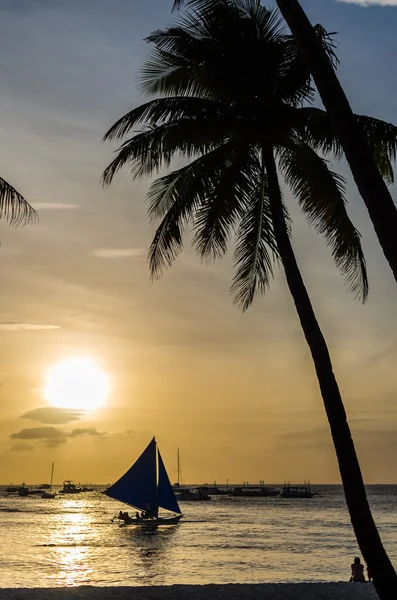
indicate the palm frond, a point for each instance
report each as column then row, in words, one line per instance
column 152, row 150
column 382, row 140
column 162, row 110
column 256, row 250
column 14, row 209
column 225, row 202
column 328, row 43
column 315, row 128
column 176, row 198
column 321, row 196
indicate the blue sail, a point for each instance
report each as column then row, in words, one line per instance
column 138, row 486
column 165, row 494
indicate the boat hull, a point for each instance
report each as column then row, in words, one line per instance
column 151, row 522
column 260, row 493
column 301, row 495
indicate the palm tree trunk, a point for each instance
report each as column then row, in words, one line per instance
column 369, row 181
column 384, row 575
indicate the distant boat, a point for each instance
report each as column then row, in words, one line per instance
column 192, row 494
column 70, row 488
column 146, row 487
column 297, row 491
column 23, row 491
column 13, row 489
column 260, row 491
column 49, row 495
column 188, row 494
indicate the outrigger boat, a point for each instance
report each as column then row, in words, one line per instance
column 147, row 488
column 298, row 491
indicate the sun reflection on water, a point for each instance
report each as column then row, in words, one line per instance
column 74, row 540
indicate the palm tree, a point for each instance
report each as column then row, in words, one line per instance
column 13, row 206
column 233, row 98
column 370, row 184
column 369, row 181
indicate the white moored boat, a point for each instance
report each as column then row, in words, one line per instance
column 147, row 488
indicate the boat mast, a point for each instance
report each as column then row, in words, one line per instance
column 157, row 477
column 52, row 473
column 179, row 468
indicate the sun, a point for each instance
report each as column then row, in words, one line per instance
column 77, row 383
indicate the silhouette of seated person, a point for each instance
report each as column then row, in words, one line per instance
column 123, row 516
column 357, row 575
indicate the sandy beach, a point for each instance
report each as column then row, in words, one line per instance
column 268, row 591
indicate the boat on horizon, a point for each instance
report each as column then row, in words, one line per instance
column 147, row 488
column 298, row 491
column 70, row 488
column 49, row 495
column 251, row 491
column 200, row 494
column 188, row 494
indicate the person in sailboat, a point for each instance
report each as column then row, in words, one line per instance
column 147, row 513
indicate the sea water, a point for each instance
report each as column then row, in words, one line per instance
column 71, row 541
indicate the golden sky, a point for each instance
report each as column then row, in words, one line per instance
column 236, row 392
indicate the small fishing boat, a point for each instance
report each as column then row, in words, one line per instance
column 70, row 488
column 13, row 489
column 147, row 488
column 297, row 491
column 259, row 491
column 192, row 495
column 49, row 495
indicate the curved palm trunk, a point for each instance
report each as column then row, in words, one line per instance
column 370, row 184
column 384, row 576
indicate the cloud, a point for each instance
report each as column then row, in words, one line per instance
column 54, row 206
column 53, row 437
column 38, row 433
column 22, row 447
column 53, row 416
column 85, row 431
column 118, row 252
column 12, row 326
column 371, row 2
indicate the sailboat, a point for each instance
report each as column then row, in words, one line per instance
column 49, row 494
column 146, row 487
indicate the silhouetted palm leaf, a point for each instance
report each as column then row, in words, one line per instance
column 321, row 195
column 256, row 250
column 13, row 207
column 176, row 198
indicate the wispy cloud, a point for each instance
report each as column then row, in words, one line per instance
column 11, row 326
column 53, row 416
column 38, row 433
column 118, row 252
column 54, row 206
column 52, row 436
column 22, row 447
column 371, row 2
